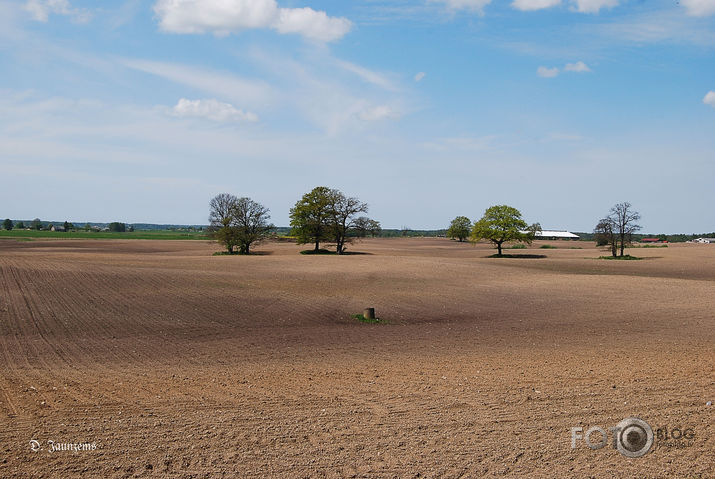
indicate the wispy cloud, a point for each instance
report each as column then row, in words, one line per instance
column 473, row 5
column 699, row 8
column 594, row 6
column 578, row 67
column 211, row 109
column 420, row 76
column 546, row 72
column 227, row 86
column 531, row 5
column 42, row 9
column 367, row 75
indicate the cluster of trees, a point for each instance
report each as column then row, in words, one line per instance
column 326, row 215
column 238, row 222
column 616, row 229
column 322, row 216
column 500, row 224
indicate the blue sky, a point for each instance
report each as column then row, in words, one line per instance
column 141, row 111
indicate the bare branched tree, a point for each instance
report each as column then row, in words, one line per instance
column 624, row 219
column 344, row 211
column 617, row 228
column 238, row 222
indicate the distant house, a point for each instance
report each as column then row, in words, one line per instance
column 57, row 228
column 704, row 240
column 556, row 235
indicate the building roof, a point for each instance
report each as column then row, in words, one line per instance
column 556, row 234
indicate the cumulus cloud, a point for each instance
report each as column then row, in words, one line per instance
column 710, row 99
column 211, row 109
column 545, row 72
column 528, row 5
column 380, row 112
column 699, row 8
column 41, row 10
column 222, row 17
column 420, row 76
column 578, row 67
column 474, row 5
column 594, row 6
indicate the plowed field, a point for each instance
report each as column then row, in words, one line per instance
column 171, row 362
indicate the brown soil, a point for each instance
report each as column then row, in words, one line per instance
column 176, row 363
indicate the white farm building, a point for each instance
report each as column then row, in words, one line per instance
column 556, row 235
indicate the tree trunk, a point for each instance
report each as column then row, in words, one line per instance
column 317, row 245
column 499, row 249
column 623, row 243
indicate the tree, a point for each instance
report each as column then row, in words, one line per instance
column 117, row 227
column 238, row 222
column 459, row 228
column 501, row 224
column 20, row 225
column 67, row 226
column 310, row 218
column 364, row 226
column 343, row 211
column 625, row 222
column 7, row 224
column 605, row 235
column 36, row 224
column 617, row 228
column 221, row 210
column 250, row 223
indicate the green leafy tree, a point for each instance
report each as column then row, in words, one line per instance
column 502, row 224
column 68, row 226
column 459, row 228
column 117, row 227
column 36, row 224
column 20, row 225
column 311, row 217
column 365, row 226
column 7, row 224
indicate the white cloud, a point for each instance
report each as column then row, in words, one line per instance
column 474, row 5
column 223, row 17
column 529, row 5
column 699, row 8
column 211, row 109
column 380, row 112
column 578, row 67
column 312, row 24
column 41, row 10
column 420, row 76
column 545, row 72
column 594, row 6
column 710, row 99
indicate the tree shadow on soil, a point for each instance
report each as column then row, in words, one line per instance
column 520, row 256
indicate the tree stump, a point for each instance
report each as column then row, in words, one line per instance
column 369, row 313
